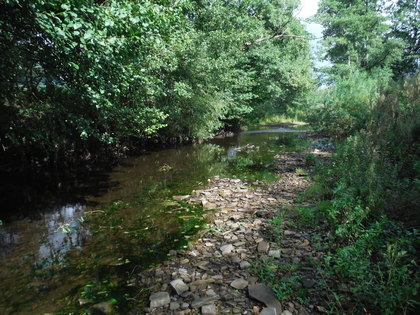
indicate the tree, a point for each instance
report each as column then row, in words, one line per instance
column 356, row 33
column 79, row 76
column 405, row 17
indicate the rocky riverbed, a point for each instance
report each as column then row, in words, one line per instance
column 218, row 272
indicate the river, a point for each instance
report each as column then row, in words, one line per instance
column 69, row 247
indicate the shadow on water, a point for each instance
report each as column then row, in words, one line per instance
column 76, row 243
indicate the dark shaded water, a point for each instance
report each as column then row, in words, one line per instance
column 83, row 245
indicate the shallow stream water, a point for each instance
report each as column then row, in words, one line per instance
column 83, row 245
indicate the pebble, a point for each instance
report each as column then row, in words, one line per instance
column 204, row 300
column 274, row 253
column 209, row 309
column 159, row 299
column 308, row 283
column 227, row 249
column 174, row 306
column 268, row 311
column 179, row 286
column 244, row 265
column 239, row 284
column 263, row 247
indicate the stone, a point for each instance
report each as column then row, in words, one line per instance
column 263, row 247
column 179, row 198
column 159, row 299
column 286, row 312
column 104, row 307
column 274, row 253
column 202, row 282
column 174, row 306
column 228, row 247
column 235, row 259
column 239, row 284
column 210, row 292
column 201, row 263
column 209, row 206
column 204, row 300
column 303, row 244
column 252, row 280
column 209, row 309
column 244, row 265
column 264, row 294
column 308, row 283
column 85, row 301
column 184, row 306
column 268, row 311
column 179, row 286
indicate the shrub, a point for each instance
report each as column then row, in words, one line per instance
column 372, row 181
column 347, row 106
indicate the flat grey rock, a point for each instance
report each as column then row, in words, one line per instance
column 209, row 309
column 268, row 311
column 263, row 247
column 179, row 286
column 159, row 299
column 174, row 306
column 244, row 265
column 264, row 294
column 274, row 253
column 308, row 283
column 204, row 300
column 239, row 283
column 226, row 249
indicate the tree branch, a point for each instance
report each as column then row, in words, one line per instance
column 259, row 40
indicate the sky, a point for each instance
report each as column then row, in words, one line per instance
column 308, row 9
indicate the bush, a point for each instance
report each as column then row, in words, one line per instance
column 373, row 181
column 347, row 106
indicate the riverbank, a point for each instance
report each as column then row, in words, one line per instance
column 226, row 269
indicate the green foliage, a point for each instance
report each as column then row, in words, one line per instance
column 405, row 16
column 373, row 177
column 356, row 34
column 277, row 224
column 346, row 107
column 379, row 268
column 272, row 273
column 77, row 76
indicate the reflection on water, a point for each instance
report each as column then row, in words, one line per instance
column 63, row 230
column 125, row 222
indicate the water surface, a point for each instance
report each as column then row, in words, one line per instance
column 70, row 249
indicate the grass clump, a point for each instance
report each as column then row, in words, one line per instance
column 280, row 278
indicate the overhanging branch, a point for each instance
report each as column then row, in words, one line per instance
column 259, row 40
